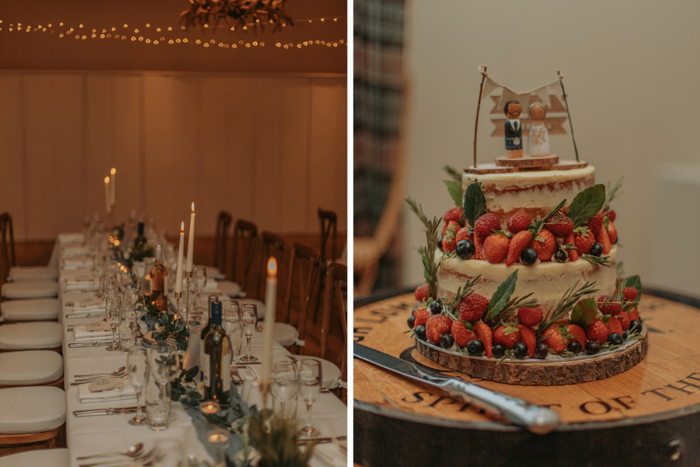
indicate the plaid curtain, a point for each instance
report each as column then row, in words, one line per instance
column 378, row 92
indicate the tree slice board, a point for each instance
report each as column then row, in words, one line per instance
column 548, row 372
column 491, row 168
column 647, row 415
column 540, row 162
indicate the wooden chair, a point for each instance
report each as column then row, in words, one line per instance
column 335, row 283
column 329, row 228
column 23, row 442
column 270, row 244
column 7, row 246
column 223, row 224
column 245, row 236
column 304, row 273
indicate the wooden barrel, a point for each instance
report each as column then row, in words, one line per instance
column 647, row 415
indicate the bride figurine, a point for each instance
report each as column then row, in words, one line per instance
column 538, row 141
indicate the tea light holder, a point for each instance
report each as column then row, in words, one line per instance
column 209, row 407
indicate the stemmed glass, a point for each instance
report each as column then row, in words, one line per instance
column 249, row 316
column 285, row 387
column 114, row 316
column 234, row 330
column 137, row 371
column 200, row 278
column 310, row 378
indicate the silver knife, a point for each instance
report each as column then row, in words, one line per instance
column 539, row 420
column 80, row 345
column 96, row 412
column 85, row 315
column 322, row 440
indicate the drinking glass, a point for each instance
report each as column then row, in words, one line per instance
column 234, row 330
column 199, row 274
column 158, row 398
column 127, row 334
column 285, row 389
column 310, row 378
column 114, row 316
column 249, row 316
column 137, row 371
column 165, row 354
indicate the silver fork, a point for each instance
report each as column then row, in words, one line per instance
column 145, row 459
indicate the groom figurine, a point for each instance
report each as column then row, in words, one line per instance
column 514, row 130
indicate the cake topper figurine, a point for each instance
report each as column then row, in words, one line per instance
column 514, row 130
column 538, row 142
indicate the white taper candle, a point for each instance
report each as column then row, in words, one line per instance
column 190, row 242
column 180, row 254
column 268, row 335
column 113, row 186
column 108, row 197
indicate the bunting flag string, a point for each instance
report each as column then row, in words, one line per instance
column 523, row 97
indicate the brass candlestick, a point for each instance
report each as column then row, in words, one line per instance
column 188, row 279
column 178, row 296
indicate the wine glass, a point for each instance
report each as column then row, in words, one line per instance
column 249, row 316
column 285, row 388
column 127, row 332
column 310, row 378
column 199, row 275
column 114, row 316
column 234, row 330
column 137, row 371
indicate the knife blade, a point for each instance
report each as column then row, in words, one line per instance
column 85, row 315
column 539, row 420
column 82, row 345
column 97, row 412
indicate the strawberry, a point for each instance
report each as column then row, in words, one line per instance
column 584, row 242
column 624, row 321
column 496, row 248
column 603, row 238
column 560, row 225
column 612, row 231
column 473, row 307
column 614, row 325
column 436, row 326
column 506, row 335
column 597, row 332
column 461, row 334
column 630, row 294
column 633, row 314
column 545, row 249
column 595, row 223
column 519, row 222
column 527, row 336
column 421, row 292
column 422, row 315
column 610, row 214
column 578, row 333
column 449, row 239
column 453, row 215
column 486, row 224
column 478, row 254
column 573, row 254
column 483, row 332
column 608, row 305
column 530, row 316
column 555, row 337
column 518, row 243
column 462, row 234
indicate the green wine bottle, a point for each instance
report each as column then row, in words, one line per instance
column 216, row 360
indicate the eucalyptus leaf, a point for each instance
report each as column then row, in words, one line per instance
column 633, row 281
column 501, row 297
column 474, row 204
column 584, row 312
column 587, row 204
column 454, row 187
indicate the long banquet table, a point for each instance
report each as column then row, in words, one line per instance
column 99, row 434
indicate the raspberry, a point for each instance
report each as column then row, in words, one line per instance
column 422, row 292
column 473, row 307
column 518, row 222
column 610, row 214
column 486, row 224
column 453, row 215
column 560, row 225
column 530, row 316
column 630, row 294
column 422, row 315
column 608, row 305
column 595, row 223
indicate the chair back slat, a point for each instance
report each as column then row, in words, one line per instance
column 7, row 246
column 304, row 270
column 223, row 224
column 245, row 236
column 329, row 231
column 336, row 277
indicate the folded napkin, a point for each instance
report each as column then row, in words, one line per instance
column 78, row 262
column 211, row 286
column 88, row 397
column 71, row 237
column 328, row 455
column 89, row 304
column 73, row 251
column 83, row 334
column 87, row 282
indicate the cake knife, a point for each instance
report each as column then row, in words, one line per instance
column 539, row 420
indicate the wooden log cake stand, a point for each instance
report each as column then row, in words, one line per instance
column 646, row 415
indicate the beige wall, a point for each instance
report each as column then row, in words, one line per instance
column 270, row 149
column 632, row 74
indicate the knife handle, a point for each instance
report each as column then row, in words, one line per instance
column 539, row 420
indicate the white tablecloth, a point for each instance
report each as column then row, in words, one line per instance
column 93, row 435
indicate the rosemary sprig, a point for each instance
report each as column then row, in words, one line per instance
column 463, row 292
column 430, row 267
column 612, row 193
column 511, row 309
column 598, row 260
column 567, row 301
column 536, row 227
column 453, row 173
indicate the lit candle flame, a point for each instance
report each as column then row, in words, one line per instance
column 192, row 206
column 272, row 267
column 113, row 171
column 106, row 180
column 182, row 227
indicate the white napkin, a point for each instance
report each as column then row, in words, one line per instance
column 87, row 397
column 83, row 335
column 78, row 262
column 67, row 251
column 71, row 237
column 86, row 282
column 211, row 286
column 89, row 304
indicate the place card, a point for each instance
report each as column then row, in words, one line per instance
column 98, row 326
column 88, row 302
column 106, row 384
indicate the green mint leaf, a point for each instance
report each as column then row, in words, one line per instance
column 501, row 296
column 587, row 204
column 633, row 281
column 455, row 189
column 474, row 204
column 584, row 312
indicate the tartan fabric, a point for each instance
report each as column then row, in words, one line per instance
column 378, row 97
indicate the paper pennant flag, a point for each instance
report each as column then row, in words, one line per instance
column 489, row 86
column 506, row 96
column 543, row 94
column 524, row 100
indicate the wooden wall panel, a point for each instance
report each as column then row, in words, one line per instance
column 12, row 180
column 264, row 149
